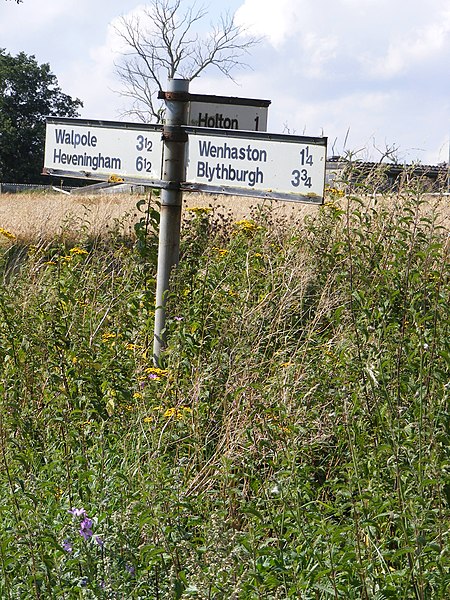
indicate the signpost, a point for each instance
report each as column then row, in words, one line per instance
column 283, row 167
column 104, row 150
column 235, row 157
column 222, row 112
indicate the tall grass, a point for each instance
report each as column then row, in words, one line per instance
column 296, row 442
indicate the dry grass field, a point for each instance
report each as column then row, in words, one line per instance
column 31, row 216
column 39, row 216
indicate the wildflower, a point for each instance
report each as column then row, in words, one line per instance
column 108, row 336
column 155, row 373
column 133, row 346
column 177, row 412
column 199, row 210
column 178, row 319
column 86, row 528
column 148, row 419
column 99, row 541
column 77, row 512
column 275, row 490
column 245, row 225
column 221, row 251
column 78, row 251
column 7, row 234
column 130, row 569
column 170, row 412
column 67, row 546
column 137, row 395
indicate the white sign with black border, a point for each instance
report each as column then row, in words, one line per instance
column 221, row 112
column 276, row 166
column 103, row 150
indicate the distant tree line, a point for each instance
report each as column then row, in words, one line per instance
column 28, row 93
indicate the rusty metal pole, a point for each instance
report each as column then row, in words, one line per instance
column 174, row 167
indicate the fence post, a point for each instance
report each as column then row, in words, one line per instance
column 176, row 99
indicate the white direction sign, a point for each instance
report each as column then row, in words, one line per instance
column 228, row 113
column 103, row 150
column 275, row 166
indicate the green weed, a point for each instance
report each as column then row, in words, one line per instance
column 294, row 442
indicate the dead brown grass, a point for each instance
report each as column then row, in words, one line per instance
column 37, row 216
column 40, row 216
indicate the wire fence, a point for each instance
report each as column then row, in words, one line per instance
column 16, row 188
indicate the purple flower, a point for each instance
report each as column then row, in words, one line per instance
column 77, row 512
column 99, row 541
column 86, row 534
column 86, row 528
column 86, row 523
column 67, row 546
column 129, row 569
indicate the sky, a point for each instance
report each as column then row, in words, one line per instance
column 371, row 75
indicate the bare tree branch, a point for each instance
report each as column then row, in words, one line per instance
column 166, row 42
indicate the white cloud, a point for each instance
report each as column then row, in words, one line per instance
column 374, row 67
column 276, row 21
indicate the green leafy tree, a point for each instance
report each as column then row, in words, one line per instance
column 28, row 93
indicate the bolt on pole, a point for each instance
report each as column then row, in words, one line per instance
column 174, row 167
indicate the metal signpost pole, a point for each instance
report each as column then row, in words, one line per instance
column 176, row 99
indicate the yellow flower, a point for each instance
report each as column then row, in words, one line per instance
column 7, row 234
column 154, row 372
column 148, row 419
column 170, row 412
column 137, row 395
column 199, row 210
column 78, row 251
column 108, row 336
column 246, row 225
column 177, row 412
column 221, row 251
column 133, row 347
